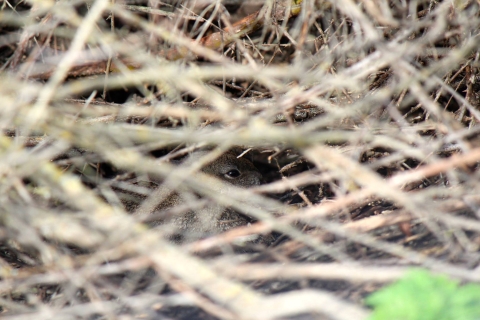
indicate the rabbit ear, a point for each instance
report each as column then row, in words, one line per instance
column 236, row 150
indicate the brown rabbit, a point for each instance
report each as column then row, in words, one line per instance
column 211, row 218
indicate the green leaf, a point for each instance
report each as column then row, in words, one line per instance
column 423, row 296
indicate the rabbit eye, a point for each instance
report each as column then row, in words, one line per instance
column 233, row 174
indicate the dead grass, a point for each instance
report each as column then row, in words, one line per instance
column 364, row 113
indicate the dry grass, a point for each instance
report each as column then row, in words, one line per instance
column 363, row 112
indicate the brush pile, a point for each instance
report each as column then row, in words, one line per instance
column 362, row 117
